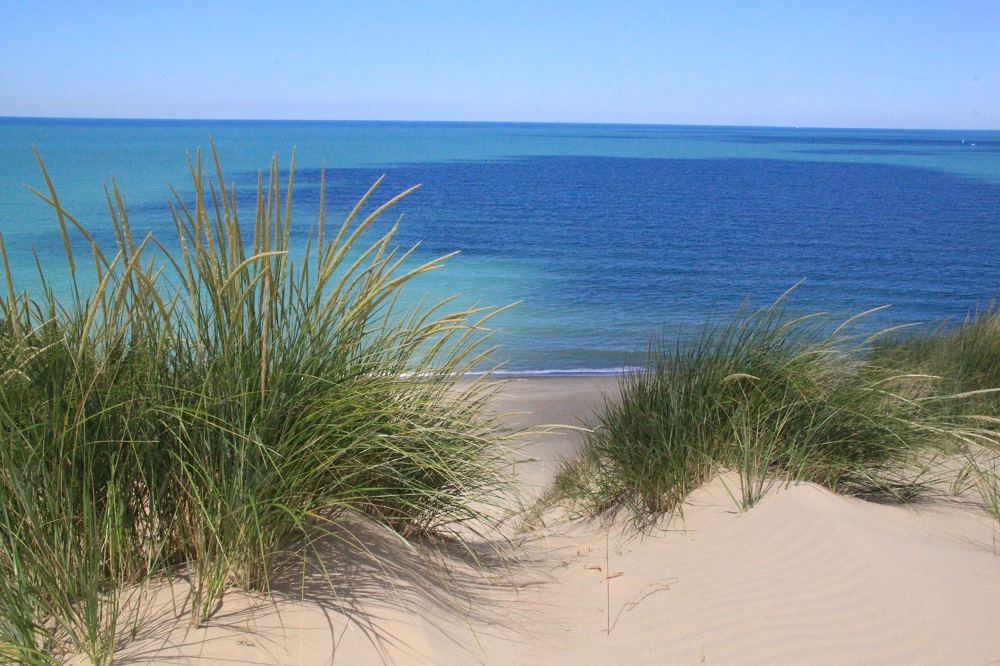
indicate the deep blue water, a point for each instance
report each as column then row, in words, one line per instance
column 604, row 233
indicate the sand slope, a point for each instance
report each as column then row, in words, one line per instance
column 804, row 577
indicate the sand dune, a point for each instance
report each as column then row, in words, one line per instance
column 804, row 577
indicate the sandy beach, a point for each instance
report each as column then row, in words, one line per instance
column 499, row 333
column 806, row 576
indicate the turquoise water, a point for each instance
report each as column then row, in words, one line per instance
column 603, row 233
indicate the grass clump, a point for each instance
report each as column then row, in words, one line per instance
column 769, row 396
column 966, row 358
column 212, row 409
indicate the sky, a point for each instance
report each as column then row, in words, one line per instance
column 870, row 63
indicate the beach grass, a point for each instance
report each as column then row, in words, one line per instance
column 965, row 356
column 966, row 359
column 772, row 396
column 216, row 404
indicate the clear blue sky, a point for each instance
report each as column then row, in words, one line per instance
column 868, row 63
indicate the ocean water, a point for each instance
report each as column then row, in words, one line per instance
column 603, row 234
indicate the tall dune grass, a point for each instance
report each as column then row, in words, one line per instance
column 210, row 410
column 770, row 396
column 966, row 358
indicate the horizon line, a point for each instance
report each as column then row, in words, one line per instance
column 4, row 117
